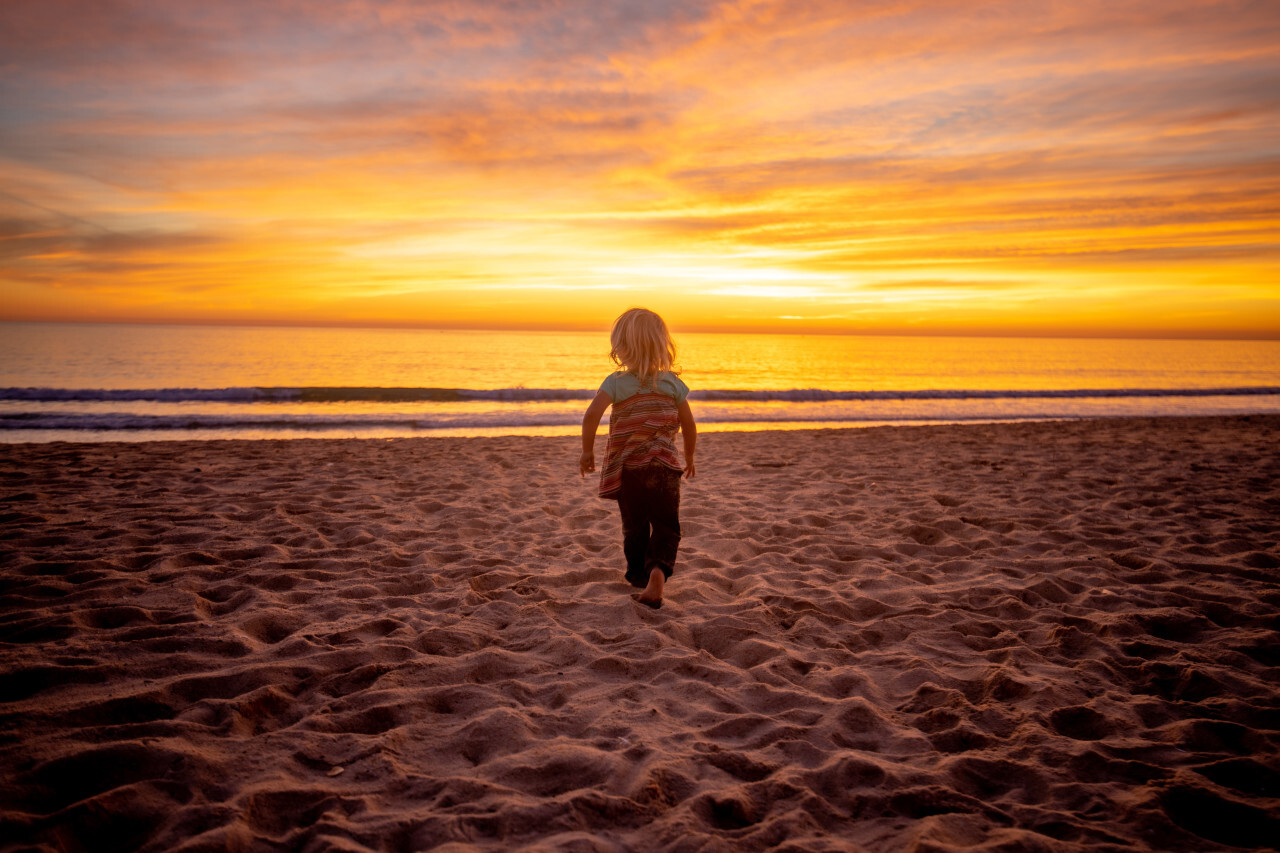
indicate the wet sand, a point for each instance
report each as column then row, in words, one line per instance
column 1017, row 637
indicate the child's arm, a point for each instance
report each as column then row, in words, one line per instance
column 690, row 431
column 590, row 421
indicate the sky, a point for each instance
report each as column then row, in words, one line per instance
column 1093, row 167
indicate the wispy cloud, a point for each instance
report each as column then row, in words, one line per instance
column 706, row 152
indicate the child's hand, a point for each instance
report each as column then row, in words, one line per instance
column 587, row 463
column 690, row 471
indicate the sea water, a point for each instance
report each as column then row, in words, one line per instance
column 84, row 382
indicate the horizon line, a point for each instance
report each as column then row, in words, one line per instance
column 1121, row 334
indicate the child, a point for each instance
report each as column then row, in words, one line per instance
column 641, row 468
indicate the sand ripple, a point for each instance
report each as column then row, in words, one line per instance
column 1021, row 637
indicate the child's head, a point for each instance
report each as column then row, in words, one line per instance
column 642, row 344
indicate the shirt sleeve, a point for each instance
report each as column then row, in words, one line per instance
column 681, row 390
column 609, row 386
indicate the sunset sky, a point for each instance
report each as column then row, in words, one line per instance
column 1006, row 167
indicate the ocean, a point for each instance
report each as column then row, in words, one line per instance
column 95, row 382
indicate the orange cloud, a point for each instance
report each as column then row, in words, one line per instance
column 752, row 163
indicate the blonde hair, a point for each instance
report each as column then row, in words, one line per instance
column 642, row 344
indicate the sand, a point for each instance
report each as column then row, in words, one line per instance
column 1020, row 637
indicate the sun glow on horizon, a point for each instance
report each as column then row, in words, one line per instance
column 1096, row 169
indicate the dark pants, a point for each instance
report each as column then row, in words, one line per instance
column 649, row 501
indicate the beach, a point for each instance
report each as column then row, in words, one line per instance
column 1058, row 636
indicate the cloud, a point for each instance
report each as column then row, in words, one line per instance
column 573, row 129
column 241, row 40
column 942, row 284
column 858, row 142
column 59, row 249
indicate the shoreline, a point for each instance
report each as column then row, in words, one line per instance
column 1051, row 635
column 564, row 431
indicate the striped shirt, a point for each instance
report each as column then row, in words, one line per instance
column 642, row 429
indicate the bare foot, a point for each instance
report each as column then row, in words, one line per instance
column 652, row 595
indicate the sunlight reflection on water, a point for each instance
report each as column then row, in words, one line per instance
column 167, row 358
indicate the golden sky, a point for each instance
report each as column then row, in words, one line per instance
column 941, row 166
